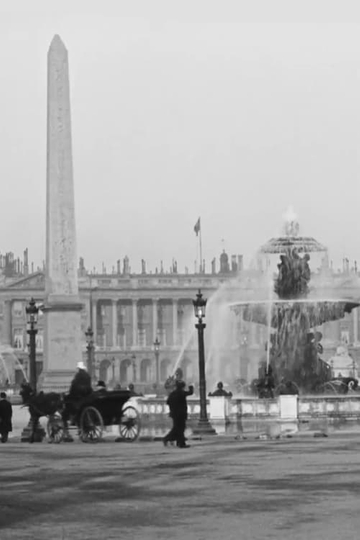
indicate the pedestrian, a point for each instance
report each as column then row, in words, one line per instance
column 5, row 417
column 178, row 412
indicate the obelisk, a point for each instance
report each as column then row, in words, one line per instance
column 62, row 307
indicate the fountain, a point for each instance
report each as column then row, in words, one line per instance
column 293, row 315
column 8, row 363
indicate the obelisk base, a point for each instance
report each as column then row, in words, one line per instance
column 62, row 345
column 56, row 380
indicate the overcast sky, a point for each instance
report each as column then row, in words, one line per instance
column 183, row 109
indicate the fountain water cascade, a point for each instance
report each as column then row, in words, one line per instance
column 8, row 362
column 280, row 307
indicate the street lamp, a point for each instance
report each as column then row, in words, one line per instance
column 133, row 363
column 157, row 367
column 204, row 426
column 89, row 334
column 30, row 432
column 32, row 316
column 113, row 368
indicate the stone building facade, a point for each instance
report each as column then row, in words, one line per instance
column 127, row 312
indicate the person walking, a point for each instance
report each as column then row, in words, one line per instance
column 178, row 412
column 5, row 417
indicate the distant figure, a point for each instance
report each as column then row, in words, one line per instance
column 81, row 383
column 5, row 417
column 220, row 391
column 100, row 387
column 178, row 412
column 117, row 386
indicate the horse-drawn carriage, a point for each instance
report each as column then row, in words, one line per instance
column 88, row 415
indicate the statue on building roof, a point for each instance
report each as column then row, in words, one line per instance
column 224, row 263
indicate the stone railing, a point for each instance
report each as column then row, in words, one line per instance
column 280, row 408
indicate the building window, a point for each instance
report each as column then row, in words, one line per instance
column 142, row 337
column 18, row 309
column 162, row 336
column 121, row 340
column 39, row 340
column 345, row 337
column 18, row 341
column 101, row 339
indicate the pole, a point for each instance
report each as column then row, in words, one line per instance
column 157, row 368
column 89, row 358
column 203, row 413
column 200, row 248
column 32, row 355
column 203, row 427
column 33, row 432
column 90, row 351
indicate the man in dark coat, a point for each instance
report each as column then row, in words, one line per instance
column 81, row 383
column 178, row 412
column 5, row 417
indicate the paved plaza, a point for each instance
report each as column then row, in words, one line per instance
column 302, row 487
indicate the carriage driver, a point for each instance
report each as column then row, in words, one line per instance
column 81, row 383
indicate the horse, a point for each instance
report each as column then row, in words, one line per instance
column 39, row 405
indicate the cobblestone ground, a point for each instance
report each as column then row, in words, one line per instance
column 303, row 488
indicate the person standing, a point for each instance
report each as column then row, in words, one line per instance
column 178, row 412
column 5, row 417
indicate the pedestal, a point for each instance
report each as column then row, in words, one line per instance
column 62, row 345
column 39, row 434
column 219, row 408
column 203, row 427
column 288, row 407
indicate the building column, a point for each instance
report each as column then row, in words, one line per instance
column 252, row 335
column 234, row 323
column 355, row 326
column 114, row 323
column 93, row 318
column 175, row 321
column 134, row 323
column 155, row 318
column 8, row 323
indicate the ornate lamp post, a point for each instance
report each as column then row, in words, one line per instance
column 32, row 316
column 113, row 368
column 157, row 367
column 90, row 350
column 204, row 426
column 32, row 311
column 133, row 363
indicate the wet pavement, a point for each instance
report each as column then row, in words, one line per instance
column 303, row 487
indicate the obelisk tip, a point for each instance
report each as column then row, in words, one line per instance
column 57, row 43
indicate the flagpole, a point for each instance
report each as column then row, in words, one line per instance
column 200, row 247
column 197, row 230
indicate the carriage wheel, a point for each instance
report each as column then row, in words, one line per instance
column 55, row 428
column 91, row 425
column 129, row 426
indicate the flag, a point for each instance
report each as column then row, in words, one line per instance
column 197, row 227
